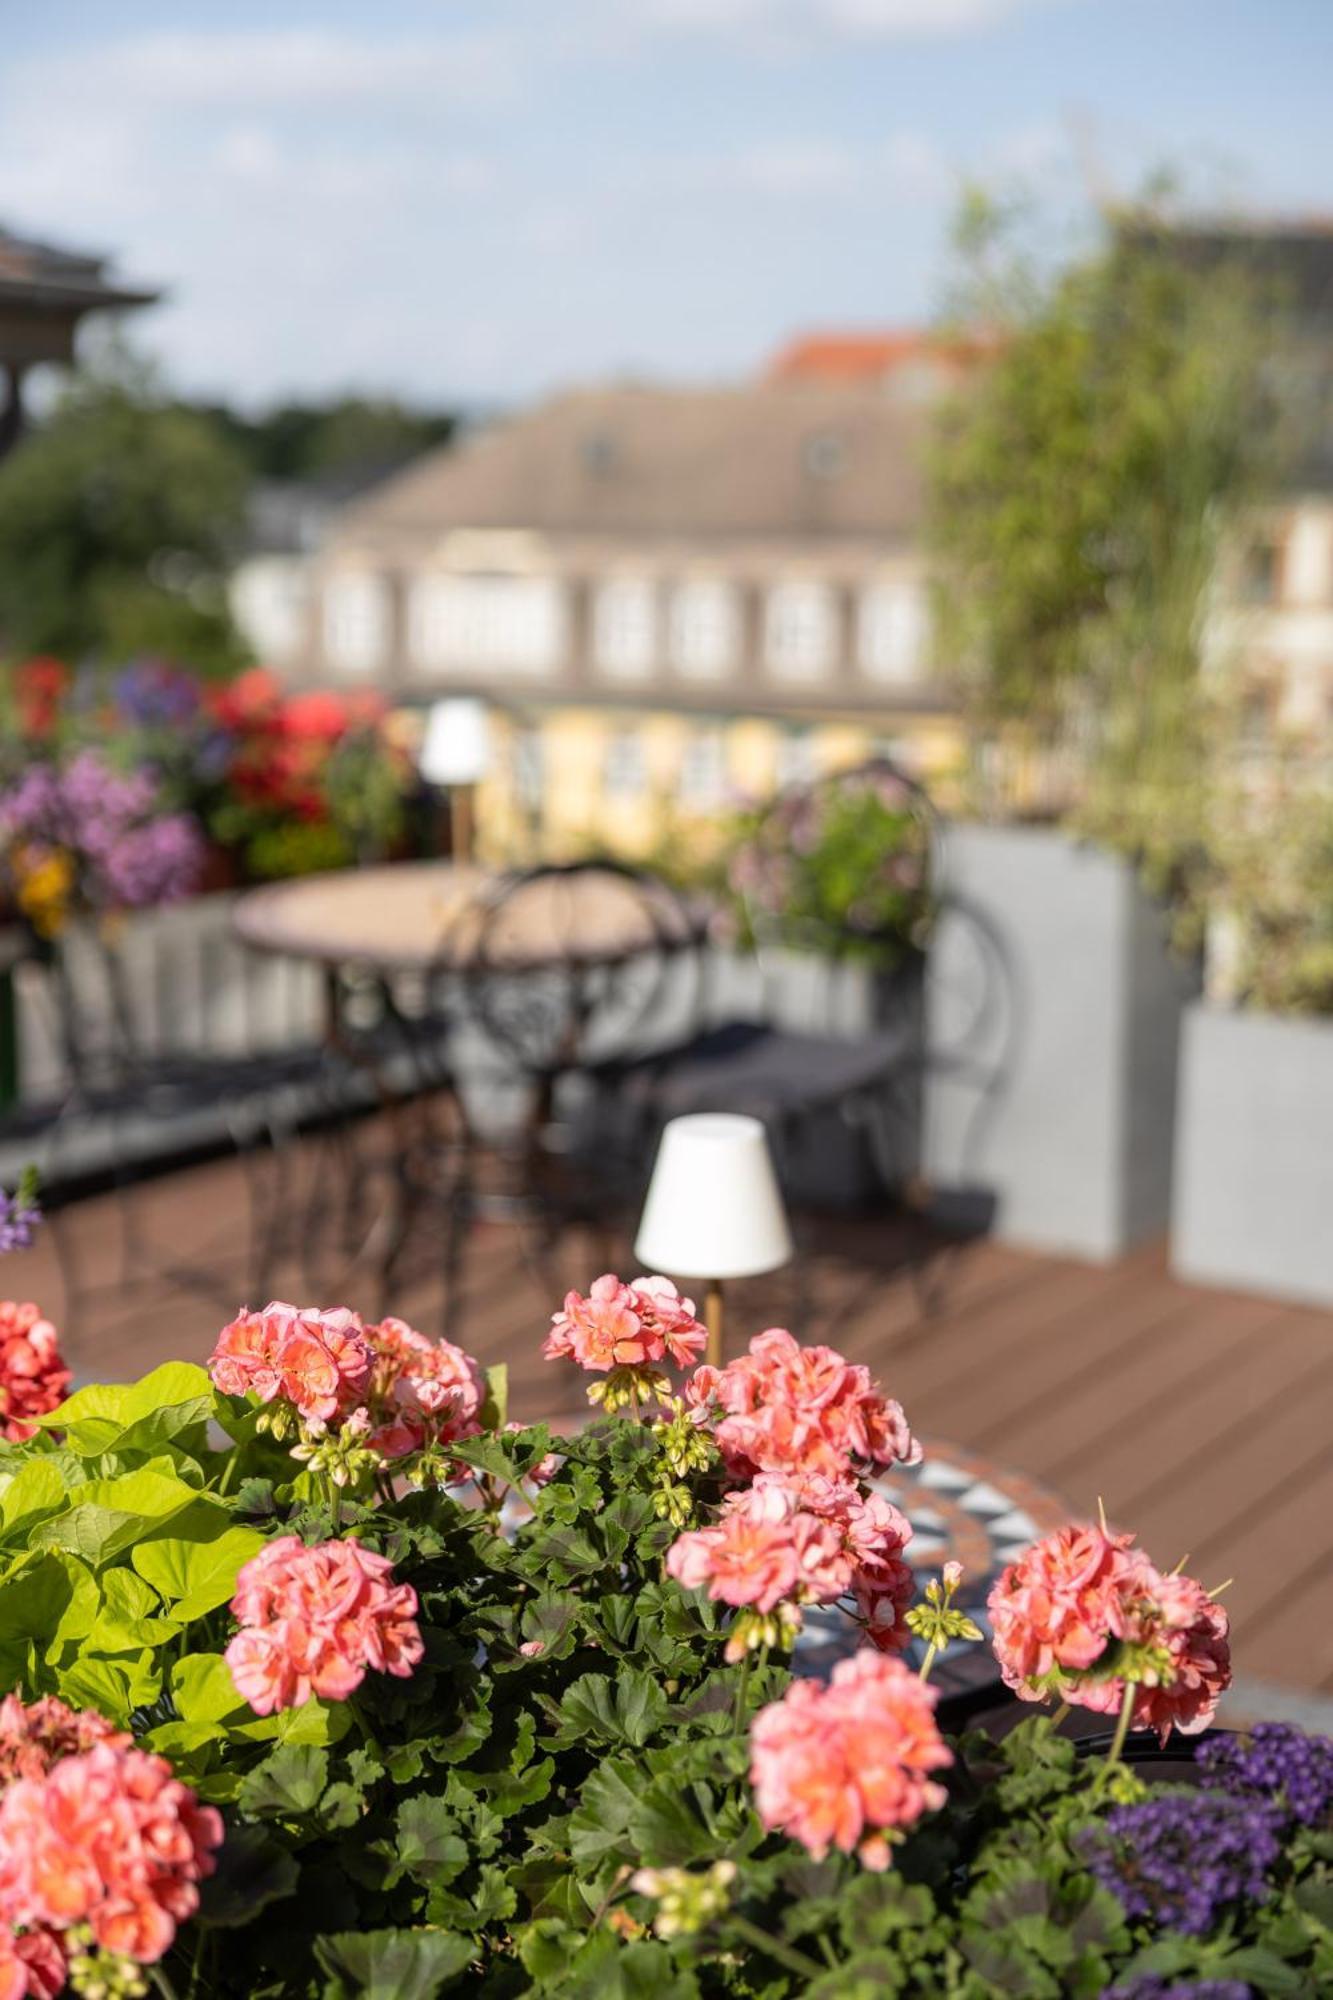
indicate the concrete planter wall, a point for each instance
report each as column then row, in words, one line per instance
column 1078, row 1143
column 1254, row 1154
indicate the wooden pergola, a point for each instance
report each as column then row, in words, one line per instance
column 44, row 295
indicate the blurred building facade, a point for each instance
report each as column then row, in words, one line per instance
column 674, row 598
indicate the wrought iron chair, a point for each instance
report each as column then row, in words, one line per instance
column 134, row 1095
column 559, row 971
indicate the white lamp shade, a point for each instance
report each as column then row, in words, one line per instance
column 456, row 749
column 713, row 1208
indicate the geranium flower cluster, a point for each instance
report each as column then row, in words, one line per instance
column 626, row 1332
column 849, row 1764
column 95, row 1836
column 783, row 1542
column 786, row 1408
column 384, row 1390
column 33, row 1375
column 1082, row 1613
column 1183, row 1859
column 315, row 1620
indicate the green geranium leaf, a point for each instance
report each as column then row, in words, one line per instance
column 193, row 1576
column 287, row 1784
column 391, row 1965
column 427, row 1843
column 172, row 1402
column 252, row 1872
column 595, row 1709
column 871, row 1975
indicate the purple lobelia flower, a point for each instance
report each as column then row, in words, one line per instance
column 19, row 1214
column 1275, row 1762
column 1180, row 1859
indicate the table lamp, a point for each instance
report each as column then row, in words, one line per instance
column 713, row 1210
column 456, row 753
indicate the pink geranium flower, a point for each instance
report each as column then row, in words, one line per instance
column 318, row 1360
column 37, row 1735
column 1082, row 1603
column 840, row 1766
column 419, row 1390
column 33, row 1376
column 787, row 1408
column 31, row 1965
column 315, row 1620
column 802, row 1541
column 107, row 1838
column 625, row 1326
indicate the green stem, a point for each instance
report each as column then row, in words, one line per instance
column 335, row 1505
column 928, row 1661
column 1060, row 1715
column 742, row 1689
column 782, row 1954
column 224, row 1484
column 1122, row 1722
column 162, row 1983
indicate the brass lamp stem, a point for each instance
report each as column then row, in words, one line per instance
column 713, row 1321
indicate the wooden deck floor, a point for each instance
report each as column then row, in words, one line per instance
column 1204, row 1419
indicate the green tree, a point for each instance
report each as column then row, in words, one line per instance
column 1080, row 486
column 117, row 519
column 352, row 433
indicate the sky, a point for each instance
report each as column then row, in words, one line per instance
column 475, row 201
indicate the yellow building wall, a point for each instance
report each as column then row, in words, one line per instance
column 575, row 814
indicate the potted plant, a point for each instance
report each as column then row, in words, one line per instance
column 325, row 1680
column 1256, row 1089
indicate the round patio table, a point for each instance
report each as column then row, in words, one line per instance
column 424, row 915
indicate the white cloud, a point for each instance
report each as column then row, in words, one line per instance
column 788, row 23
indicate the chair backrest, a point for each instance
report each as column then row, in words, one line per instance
column 974, row 1014
column 569, row 964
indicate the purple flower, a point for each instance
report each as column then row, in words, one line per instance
column 155, row 695
column 1276, row 1762
column 19, row 1219
column 128, row 852
column 1156, row 1986
column 1180, row 1859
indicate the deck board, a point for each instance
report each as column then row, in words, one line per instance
column 1203, row 1417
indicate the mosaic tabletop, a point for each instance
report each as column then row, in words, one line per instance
column 963, row 1508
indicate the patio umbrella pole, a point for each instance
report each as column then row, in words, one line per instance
column 713, row 1321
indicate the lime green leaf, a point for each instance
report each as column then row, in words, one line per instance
column 204, row 1691
column 494, row 1411
column 100, row 1684
column 196, row 1576
column 134, row 1416
column 107, row 1516
column 37, row 1491
column 391, row 1965
column 45, row 1600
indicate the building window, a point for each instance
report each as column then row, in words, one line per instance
column 625, row 771
column 705, row 630
column 796, row 762
column 703, row 771
column 800, row 631
column 893, row 634
column 625, row 628
column 1261, row 573
column 528, row 767
column 495, row 624
column 356, row 621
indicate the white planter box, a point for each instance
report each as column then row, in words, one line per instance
column 1254, row 1154
column 1078, row 1148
